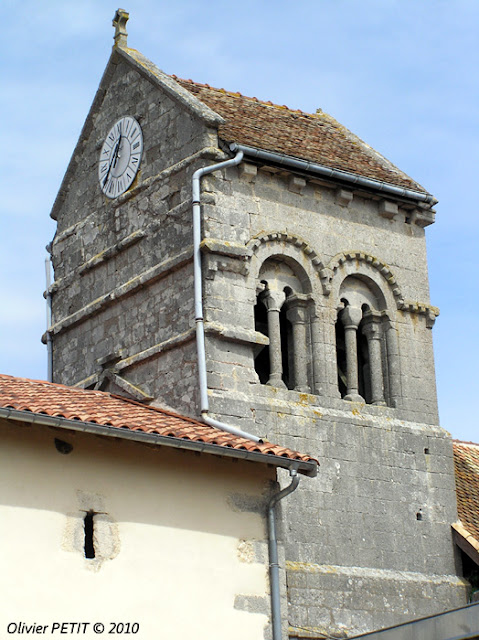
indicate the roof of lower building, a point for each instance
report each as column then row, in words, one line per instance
column 317, row 137
column 466, row 463
column 70, row 407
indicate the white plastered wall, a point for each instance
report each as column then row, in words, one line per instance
column 176, row 536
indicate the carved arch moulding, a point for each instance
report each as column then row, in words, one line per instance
column 360, row 263
column 267, row 245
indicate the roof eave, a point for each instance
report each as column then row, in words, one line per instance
column 308, row 468
column 339, row 175
column 466, row 541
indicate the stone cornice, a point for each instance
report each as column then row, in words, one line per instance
column 220, row 247
column 100, row 258
column 144, row 279
column 112, row 250
column 152, row 352
column 208, row 153
column 235, row 334
column 155, row 350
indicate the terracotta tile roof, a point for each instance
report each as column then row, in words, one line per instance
column 316, row 137
column 105, row 409
column 466, row 464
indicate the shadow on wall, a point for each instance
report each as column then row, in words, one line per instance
column 131, row 483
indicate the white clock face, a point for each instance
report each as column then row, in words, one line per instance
column 120, row 157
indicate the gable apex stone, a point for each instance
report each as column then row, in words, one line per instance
column 119, row 22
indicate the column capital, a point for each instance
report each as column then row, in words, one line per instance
column 372, row 325
column 272, row 300
column 351, row 317
column 296, row 308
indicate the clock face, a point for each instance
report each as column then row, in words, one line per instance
column 120, row 157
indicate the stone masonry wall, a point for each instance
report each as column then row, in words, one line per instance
column 123, row 291
column 368, row 542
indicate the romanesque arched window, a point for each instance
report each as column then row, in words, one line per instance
column 282, row 314
column 361, row 345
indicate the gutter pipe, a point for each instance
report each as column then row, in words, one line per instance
column 200, row 329
column 334, row 174
column 273, row 553
column 49, row 321
column 307, row 468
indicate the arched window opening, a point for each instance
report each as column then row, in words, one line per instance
column 359, row 344
column 282, row 313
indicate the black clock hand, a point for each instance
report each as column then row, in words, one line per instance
column 114, row 156
column 118, row 148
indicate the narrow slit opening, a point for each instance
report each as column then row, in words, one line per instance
column 89, row 529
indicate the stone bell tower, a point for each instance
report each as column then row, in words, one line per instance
column 316, row 313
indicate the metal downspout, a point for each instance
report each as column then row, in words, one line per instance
column 49, row 321
column 273, row 553
column 200, row 330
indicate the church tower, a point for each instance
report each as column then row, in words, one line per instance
column 316, row 318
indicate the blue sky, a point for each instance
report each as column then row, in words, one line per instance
column 401, row 74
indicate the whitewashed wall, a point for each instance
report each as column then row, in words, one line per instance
column 179, row 537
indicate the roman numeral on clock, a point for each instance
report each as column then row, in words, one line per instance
column 120, row 157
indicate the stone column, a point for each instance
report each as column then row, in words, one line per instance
column 273, row 302
column 351, row 317
column 394, row 371
column 325, row 368
column 297, row 313
column 373, row 332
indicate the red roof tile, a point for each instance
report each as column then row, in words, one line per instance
column 466, row 463
column 316, row 137
column 105, row 409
